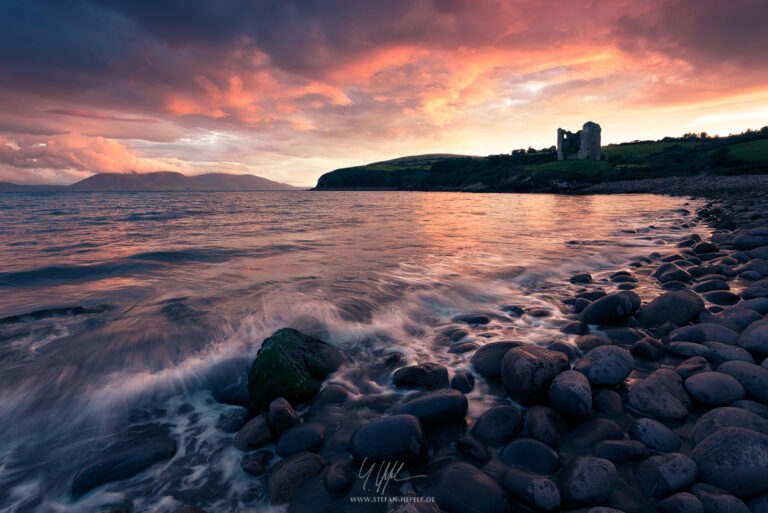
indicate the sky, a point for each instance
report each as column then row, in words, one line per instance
column 289, row 89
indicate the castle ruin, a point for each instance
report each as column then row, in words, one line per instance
column 582, row 145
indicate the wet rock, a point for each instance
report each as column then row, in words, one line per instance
column 678, row 307
column 661, row 394
column 611, row 309
column 472, row 449
column 703, row 332
column 579, row 304
column 429, row 376
column 581, row 278
column 498, row 424
column 122, row 463
column 740, row 316
column 595, row 430
column 665, row 473
column 715, row 500
column 734, row 459
column 568, row 350
column 714, row 388
column 254, row 435
column 330, row 394
column 722, row 298
column 281, row 416
column 463, row 381
column 608, row 402
column 591, row 295
column 530, row 455
column 721, row 353
column 619, row 451
column 570, row 394
column 587, row 481
column 302, row 437
column 538, row 312
column 513, row 310
column 457, row 485
column 544, row 425
column 575, row 328
column 655, row 435
column 711, row 285
column 393, row 438
column 291, row 365
column 287, row 477
column 606, row 365
column 759, row 409
column 705, row 247
column 648, row 348
column 688, row 349
column 674, row 285
column 531, row 489
column 256, row 463
column 722, row 417
column 589, row 342
column 759, row 305
column 463, row 347
column 437, row 408
column 527, row 372
column 693, row 366
column 339, row 476
column 682, row 502
column 755, row 337
column 232, row 421
column 752, row 377
column 472, row 318
column 487, row 360
column 675, row 275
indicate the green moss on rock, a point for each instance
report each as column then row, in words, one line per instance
column 292, row 365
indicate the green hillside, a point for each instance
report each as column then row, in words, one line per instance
column 536, row 170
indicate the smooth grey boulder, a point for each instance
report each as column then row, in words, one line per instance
column 429, row 376
column 726, row 416
column 570, row 394
column 755, row 337
column 287, row 477
column 281, row 416
column 587, row 481
column 301, row 437
column 531, row 489
column 544, row 424
column 721, row 353
column 606, row 365
column 463, row 381
column 254, row 435
column 527, row 372
column 752, row 406
column 339, row 476
column 462, row 488
column 714, row 388
column 681, row 502
column 655, row 435
column 703, row 332
column 393, row 438
column 619, row 451
column 734, row 459
column 715, row 500
column 498, row 424
column 660, row 394
column 530, row 455
column 693, row 365
column 589, row 342
column 678, row 307
column 659, row 475
column 753, row 378
column 437, row 408
column 487, row 359
column 611, row 309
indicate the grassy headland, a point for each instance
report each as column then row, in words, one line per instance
column 539, row 170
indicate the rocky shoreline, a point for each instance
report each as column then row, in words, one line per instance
column 657, row 405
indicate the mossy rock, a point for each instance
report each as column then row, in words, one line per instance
column 292, row 365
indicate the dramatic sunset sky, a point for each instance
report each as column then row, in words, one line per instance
column 289, row 89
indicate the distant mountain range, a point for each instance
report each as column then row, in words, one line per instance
column 160, row 181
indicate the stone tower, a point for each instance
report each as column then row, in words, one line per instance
column 582, row 145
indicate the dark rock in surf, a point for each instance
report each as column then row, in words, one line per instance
column 291, row 365
column 678, row 307
column 498, row 424
column 544, row 425
column 665, row 473
column 606, row 365
column 463, row 381
column 302, row 437
column 456, row 484
column 428, row 376
column 254, row 435
column 611, row 309
column 287, row 477
column 487, row 359
column 714, row 388
column 530, row 455
column 660, row 394
column 281, row 416
column 570, row 394
column 437, row 408
column 393, row 438
column 654, row 435
column 531, row 489
column 256, row 463
column 339, row 476
column 527, row 372
column 587, row 481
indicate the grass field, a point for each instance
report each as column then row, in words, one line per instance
column 642, row 150
column 752, row 151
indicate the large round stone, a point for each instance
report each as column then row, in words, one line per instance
column 753, row 378
column 719, row 418
column 665, row 473
column 544, row 425
column 429, row 376
column 606, row 365
column 527, row 372
column 678, row 307
column 487, row 359
column 587, row 481
column 714, row 388
column 530, row 455
column 289, row 475
column 498, row 424
column 655, row 435
column 755, row 337
column 393, row 438
column 462, row 488
column 611, row 309
column 437, row 408
column 734, row 459
column 302, row 437
column 570, row 394
column 531, row 489
column 660, row 394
